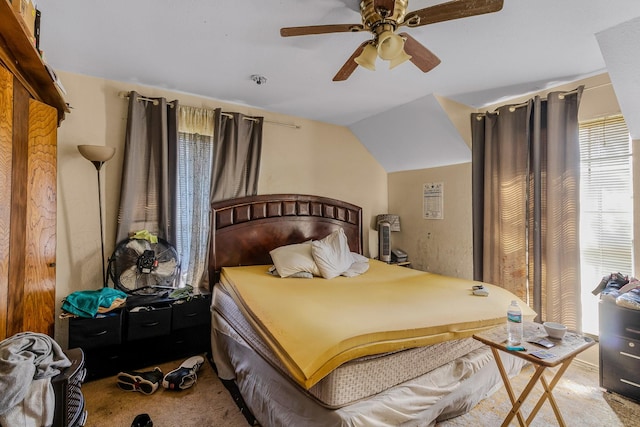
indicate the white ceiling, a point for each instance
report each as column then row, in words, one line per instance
column 211, row 48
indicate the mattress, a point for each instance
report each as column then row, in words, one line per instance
column 277, row 401
column 355, row 380
column 316, row 325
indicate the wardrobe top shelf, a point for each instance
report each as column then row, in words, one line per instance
column 20, row 56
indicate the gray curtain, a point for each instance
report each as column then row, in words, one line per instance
column 526, row 171
column 226, row 165
column 236, row 160
column 147, row 193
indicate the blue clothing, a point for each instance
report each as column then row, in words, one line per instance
column 86, row 303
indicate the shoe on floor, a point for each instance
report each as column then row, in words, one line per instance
column 145, row 382
column 184, row 376
column 142, row 420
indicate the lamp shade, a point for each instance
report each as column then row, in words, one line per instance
column 96, row 153
column 390, row 45
column 400, row 59
column 393, row 220
column 367, row 58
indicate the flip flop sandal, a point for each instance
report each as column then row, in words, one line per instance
column 184, row 376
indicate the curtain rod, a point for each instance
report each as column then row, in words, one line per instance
column 125, row 95
column 513, row 107
column 253, row 119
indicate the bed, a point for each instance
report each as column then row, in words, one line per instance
column 381, row 346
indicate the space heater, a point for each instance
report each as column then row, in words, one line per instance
column 386, row 224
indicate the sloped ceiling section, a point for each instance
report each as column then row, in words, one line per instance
column 621, row 52
column 420, row 130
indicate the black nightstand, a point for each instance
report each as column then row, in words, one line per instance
column 144, row 333
column 620, row 349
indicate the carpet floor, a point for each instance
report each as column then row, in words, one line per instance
column 208, row 403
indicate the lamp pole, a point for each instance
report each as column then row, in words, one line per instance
column 98, row 155
column 98, row 165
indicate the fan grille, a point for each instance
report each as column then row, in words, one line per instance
column 139, row 265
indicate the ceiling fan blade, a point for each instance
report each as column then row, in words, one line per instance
column 350, row 66
column 320, row 29
column 455, row 9
column 421, row 57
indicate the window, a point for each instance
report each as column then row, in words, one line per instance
column 195, row 154
column 193, row 196
column 606, row 208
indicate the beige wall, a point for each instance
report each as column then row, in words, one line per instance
column 318, row 159
column 424, row 238
column 439, row 246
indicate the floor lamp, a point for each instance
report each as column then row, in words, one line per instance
column 98, row 155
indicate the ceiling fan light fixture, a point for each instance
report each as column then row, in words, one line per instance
column 400, row 59
column 382, row 18
column 390, row 45
column 367, row 58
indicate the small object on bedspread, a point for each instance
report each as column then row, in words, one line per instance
column 480, row 290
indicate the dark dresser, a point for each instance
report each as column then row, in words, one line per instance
column 620, row 349
column 144, row 333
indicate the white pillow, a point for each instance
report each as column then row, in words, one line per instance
column 356, row 269
column 360, row 265
column 359, row 258
column 292, row 259
column 300, row 274
column 332, row 254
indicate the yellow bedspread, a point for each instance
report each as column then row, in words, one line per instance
column 315, row 325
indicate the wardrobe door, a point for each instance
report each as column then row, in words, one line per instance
column 33, row 217
column 40, row 253
column 6, row 132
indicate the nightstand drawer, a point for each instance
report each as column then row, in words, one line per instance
column 620, row 362
column 147, row 322
column 621, row 379
column 621, row 347
column 616, row 320
column 96, row 332
column 620, row 359
column 189, row 313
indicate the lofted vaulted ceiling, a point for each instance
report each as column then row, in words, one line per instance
column 212, row 48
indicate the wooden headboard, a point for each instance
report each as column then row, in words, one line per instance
column 244, row 230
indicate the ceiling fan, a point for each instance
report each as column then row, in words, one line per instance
column 382, row 18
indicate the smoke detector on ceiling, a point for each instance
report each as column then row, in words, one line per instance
column 258, row 79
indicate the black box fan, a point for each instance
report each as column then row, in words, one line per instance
column 139, row 266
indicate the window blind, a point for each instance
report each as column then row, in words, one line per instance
column 606, row 201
